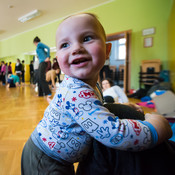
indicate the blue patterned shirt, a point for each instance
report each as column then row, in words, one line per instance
column 76, row 115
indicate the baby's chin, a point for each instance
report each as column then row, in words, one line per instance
column 84, row 77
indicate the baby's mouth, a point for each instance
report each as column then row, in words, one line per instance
column 80, row 60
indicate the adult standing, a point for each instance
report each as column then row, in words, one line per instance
column 18, row 69
column 23, row 71
column 31, row 72
column 6, row 72
column 3, row 72
column 9, row 68
column 43, row 55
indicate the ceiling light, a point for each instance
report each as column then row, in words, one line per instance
column 10, row 6
column 29, row 16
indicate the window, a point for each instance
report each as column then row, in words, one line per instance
column 118, row 50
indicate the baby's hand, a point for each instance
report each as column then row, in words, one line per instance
column 134, row 106
column 161, row 125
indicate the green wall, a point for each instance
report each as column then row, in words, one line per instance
column 171, row 45
column 116, row 16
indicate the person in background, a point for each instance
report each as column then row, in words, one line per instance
column 6, row 72
column 0, row 71
column 3, row 72
column 114, row 91
column 105, row 71
column 13, row 81
column 9, row 68
column 35, row 67
column 31, row 72
column 43, row 55
column 56, row 66
column 18, row 69
column 51, row 77
column 23, row 72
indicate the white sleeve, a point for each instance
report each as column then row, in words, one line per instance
column 122, row 98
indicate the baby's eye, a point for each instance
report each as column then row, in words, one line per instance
column 64, row 45
column 87, row 38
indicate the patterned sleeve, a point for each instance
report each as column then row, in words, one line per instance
column 99, row 123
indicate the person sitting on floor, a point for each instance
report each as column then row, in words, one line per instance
column 109, row 90
column 51, row 76
column 13, row 81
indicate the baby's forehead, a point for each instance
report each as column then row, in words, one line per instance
column 81, row 19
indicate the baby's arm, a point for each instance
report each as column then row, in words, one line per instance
column 98, row 122
column 159, row 122
column 161, row 125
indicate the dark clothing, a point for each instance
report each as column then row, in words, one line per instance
column 18, row 67
column 9, row 69
column 41, row 163
column 3, row 78
column 22, row 76
column 35, row 78
column 31, row 74
column 32, row 78
column 55, row 66
column 139, row 93
column 23, row 73
column 102, row 160
column 43, row 87
column 11, row 83
column 31, row 68
column 108, row 99
column 48, row 66
column 58, row 75
column 106, row 70
column 108, row 161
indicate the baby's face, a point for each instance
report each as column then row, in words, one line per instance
column 81, row 48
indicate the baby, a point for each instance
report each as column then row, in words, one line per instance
column 76, row 113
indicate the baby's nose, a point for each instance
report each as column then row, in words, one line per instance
column 78, row 49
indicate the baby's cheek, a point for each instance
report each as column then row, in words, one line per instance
column 62, row 63
column 100, row 58
column 99, row 52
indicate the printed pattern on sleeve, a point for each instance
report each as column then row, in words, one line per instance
column 76, row 115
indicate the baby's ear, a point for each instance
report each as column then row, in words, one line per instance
column 108, row 50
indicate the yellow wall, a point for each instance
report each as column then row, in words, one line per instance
column 171, row 45
column 27, row 73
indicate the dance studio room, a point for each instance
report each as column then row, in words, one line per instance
column 87, row 87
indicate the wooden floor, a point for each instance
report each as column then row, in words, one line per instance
column 20, row 112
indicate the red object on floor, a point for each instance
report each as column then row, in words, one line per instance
column 149, row 104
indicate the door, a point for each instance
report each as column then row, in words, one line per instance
column 121, row 59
